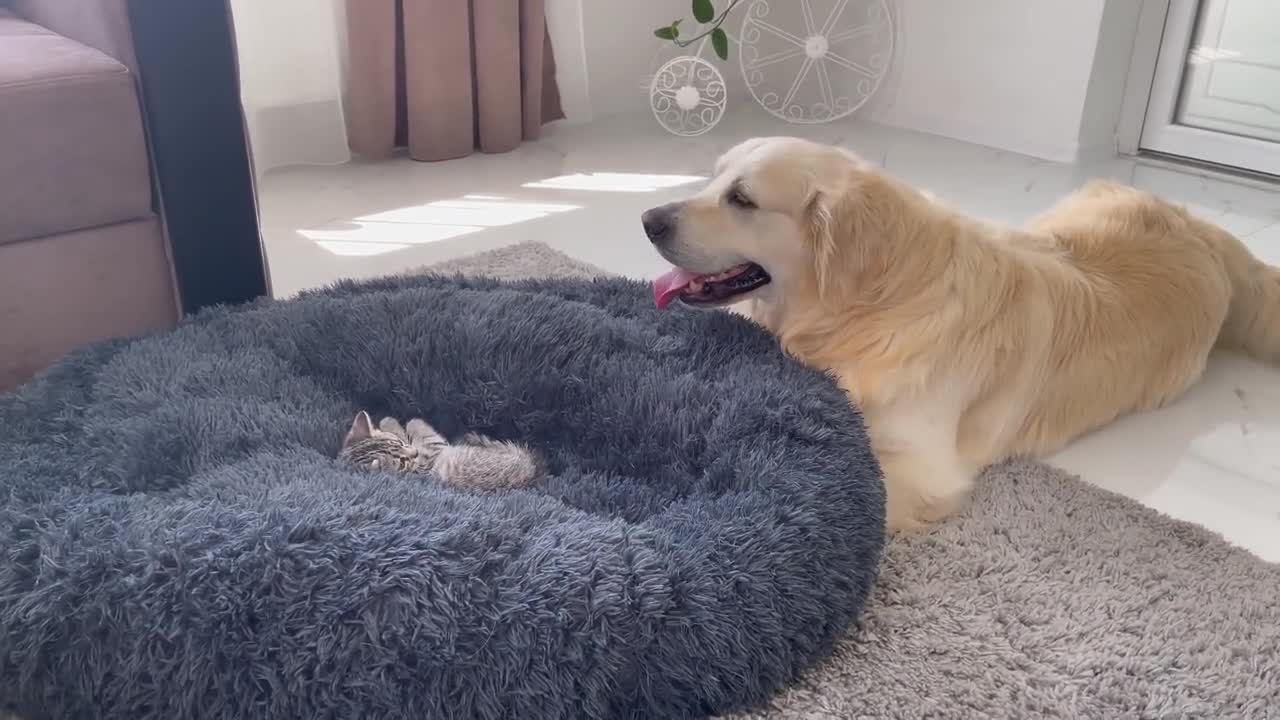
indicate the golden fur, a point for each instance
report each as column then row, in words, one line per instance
column 966, row 342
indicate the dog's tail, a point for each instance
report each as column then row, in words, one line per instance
column 1253, row 320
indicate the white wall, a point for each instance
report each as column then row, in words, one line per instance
column 1039, row 77
column 1100, row 120
column 620, row 49
column 566, row 29
column 1012, row 74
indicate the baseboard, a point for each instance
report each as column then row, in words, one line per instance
column 312, row 133
column 985, row 135
column 1096, row 152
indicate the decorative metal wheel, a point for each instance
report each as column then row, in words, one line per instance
column 687, row 95
column 814, row 61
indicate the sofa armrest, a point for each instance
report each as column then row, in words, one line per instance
column 101, row 24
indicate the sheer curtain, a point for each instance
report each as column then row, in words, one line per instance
column 297, row 77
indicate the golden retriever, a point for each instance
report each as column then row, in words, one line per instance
column 964, row 342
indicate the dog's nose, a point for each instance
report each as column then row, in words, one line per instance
column 658, row 223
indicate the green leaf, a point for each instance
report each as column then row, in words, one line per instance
column 720, row 41
column 666, row 33
column 703, row 11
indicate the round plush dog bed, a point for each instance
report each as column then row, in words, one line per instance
column 178, row 541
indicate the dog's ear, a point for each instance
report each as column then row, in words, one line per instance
column 833, row 236
column 850, row 217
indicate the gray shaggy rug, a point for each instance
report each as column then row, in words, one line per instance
column 178, row 541
column 1047, row 598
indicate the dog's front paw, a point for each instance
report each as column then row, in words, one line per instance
column 918, row 516
column 922, row 488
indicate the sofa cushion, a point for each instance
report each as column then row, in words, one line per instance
column 63, row 292
column 73, row 153
column 100, row 24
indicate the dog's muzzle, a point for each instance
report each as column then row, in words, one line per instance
column 660, row 222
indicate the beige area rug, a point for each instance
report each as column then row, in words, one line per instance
column 1048, row 597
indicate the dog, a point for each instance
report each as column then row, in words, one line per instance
column 964, row 342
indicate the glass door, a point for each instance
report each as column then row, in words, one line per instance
column 1216, row 93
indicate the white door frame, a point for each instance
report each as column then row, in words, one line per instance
column 1160, row 51
column 1142, row 72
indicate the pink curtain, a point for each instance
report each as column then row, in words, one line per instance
column 448, row 77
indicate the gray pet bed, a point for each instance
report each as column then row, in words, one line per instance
column 177, row 541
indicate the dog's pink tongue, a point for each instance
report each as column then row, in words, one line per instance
column 669, row 285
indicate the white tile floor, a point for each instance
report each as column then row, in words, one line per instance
column 1211, row 458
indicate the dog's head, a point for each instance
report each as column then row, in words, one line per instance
column 780, row 215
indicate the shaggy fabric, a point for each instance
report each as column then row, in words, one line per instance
column 1051, row 598
column 177, row 541
column 1046, row 598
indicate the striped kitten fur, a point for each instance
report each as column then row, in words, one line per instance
column 475, row 462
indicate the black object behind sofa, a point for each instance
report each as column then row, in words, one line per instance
column 186, row 51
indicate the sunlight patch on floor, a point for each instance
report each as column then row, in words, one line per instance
column 614, row 182
column 402, row 228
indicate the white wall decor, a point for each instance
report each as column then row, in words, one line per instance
column 687, row 95
column 803, row 61
column 814, row 62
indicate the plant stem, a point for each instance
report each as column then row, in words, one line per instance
column 715, row 24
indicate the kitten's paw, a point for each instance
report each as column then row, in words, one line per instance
column 391, row 425
column 419, row 428
column 478, row 440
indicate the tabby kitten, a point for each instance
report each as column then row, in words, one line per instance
column 476, row 462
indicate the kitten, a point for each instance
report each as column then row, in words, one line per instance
column 475, row 462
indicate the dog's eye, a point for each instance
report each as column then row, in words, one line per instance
column 737, row 198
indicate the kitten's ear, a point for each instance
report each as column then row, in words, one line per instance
column 361, row 428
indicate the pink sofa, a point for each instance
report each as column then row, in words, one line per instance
column 83, row 253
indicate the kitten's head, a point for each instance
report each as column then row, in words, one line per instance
column 372, row 449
